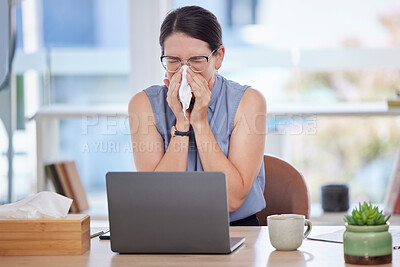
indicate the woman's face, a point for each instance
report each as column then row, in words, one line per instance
column 183, row 46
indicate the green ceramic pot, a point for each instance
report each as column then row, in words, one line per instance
column 367, row 244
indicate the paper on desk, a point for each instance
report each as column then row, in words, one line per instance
column 41, row 205
column 337, row 237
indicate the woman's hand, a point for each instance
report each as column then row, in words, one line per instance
column 174, row 103
column 202, row 92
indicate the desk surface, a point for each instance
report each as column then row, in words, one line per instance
column 256, row 251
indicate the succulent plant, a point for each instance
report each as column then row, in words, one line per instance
column 366, row 214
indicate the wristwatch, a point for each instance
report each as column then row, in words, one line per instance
column 175, row 132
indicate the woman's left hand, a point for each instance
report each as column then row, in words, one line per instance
column 202, row 92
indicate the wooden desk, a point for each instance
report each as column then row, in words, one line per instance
column 256, row 251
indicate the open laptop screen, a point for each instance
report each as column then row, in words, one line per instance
column 168, row 212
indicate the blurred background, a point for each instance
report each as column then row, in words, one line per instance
column 77, row 53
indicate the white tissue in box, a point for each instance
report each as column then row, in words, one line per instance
column 41, row 205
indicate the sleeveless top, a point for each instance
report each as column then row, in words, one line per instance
column 225, row 98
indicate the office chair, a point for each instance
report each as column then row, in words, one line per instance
column 285, row 190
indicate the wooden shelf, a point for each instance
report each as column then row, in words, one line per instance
column 284, row 109
column 47, row 119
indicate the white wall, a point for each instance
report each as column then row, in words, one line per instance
column 145, row 21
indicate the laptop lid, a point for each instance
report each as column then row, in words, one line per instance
column 168, row 212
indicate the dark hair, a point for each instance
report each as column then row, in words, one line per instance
column 194, row 21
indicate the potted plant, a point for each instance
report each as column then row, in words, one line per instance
column 367, row 239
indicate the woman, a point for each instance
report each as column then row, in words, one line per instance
column 223, row 131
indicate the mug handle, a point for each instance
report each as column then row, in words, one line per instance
column 309, row 227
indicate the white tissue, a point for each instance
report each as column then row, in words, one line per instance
column 41, row 205
column 185, row 91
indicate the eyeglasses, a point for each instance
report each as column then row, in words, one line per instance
column 196, row 64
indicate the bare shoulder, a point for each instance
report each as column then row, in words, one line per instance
column 252, row 101
column 140, row 102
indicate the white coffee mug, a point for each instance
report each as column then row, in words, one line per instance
column 286, row 231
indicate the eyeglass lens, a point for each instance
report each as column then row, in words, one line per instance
column 196, row 64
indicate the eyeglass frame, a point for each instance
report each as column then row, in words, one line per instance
column 180, row 60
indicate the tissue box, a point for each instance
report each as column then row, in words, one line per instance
column 62, row 236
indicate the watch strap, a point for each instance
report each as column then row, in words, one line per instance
column 175, row 132
column 180, row 133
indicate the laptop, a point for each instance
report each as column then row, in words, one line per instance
column 169, row 212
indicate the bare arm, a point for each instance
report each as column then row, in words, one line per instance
column 148, row 144
column 246, row 147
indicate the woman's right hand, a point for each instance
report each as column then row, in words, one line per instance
column 173, row 101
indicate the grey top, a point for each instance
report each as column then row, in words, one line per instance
column 225, row 98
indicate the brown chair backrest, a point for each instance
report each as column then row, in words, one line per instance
column 285, row 190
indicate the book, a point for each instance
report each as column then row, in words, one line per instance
column 397, row 206
column 393, row 191
column 395, row 102
column 65, row 184
column 76, row 185
column 52, row 174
